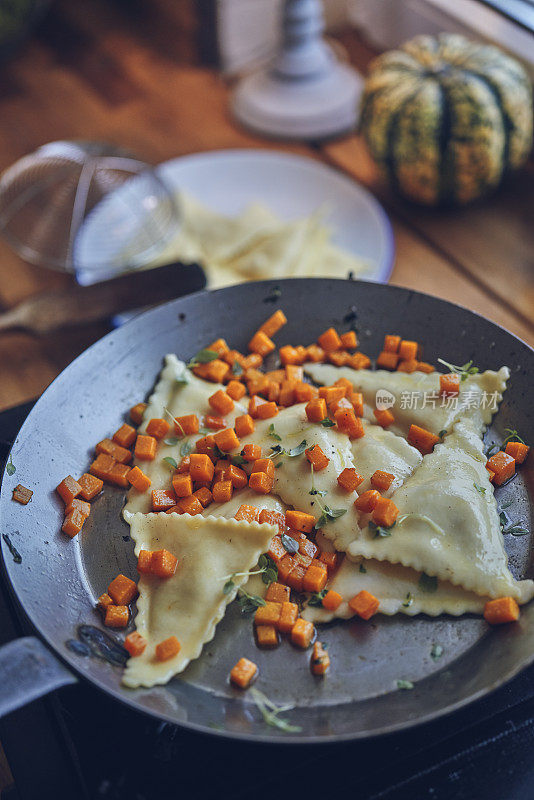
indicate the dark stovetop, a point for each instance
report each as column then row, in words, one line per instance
column 78, row 743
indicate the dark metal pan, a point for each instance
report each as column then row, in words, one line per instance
column 57, row 581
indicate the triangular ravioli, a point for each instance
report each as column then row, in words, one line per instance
column 190, row 603
column 293, row 479
column 448, row 524
column 179, row 398
column 416, row 397
column 399, row 590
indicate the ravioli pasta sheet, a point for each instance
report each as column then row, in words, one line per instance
column 399, row 589
column 384, row 450
column 448, row 525
column 190, row 603
column 178, row 398
column 415, row 396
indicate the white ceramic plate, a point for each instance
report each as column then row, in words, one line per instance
column 291, row 186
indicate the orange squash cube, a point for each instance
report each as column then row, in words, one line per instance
column 117, row 616
column 104, row 601
column 422, row 366
column 276, row 549
column 277, row 593
column 135, row 644
column 68, row 489
column 289, row 355
column 186, row 425
column 145, row 448
column 329, row 340
column 382, row 480
column 163, row 564
column 261, row 344
column 340, row 358
column 162, row 499
column 349, row 479
column 222, row 491
column 221, row 402
column 349, row 340
column 251, row 452
column 266, row 410
column 449, row 385
column 317, row 458
column 237, row 476
column 387, row 360
column 347, row 422
column 247, row 514
column 384, row 417
column 269, row 614
column 367, row 501
column 422, row 439
column 235, row 390
column 144, row 562
column 78, row 505
column 331, row 394
column 215, row 371
column 183, row 466
column 286, row 564
column 359, row 361
column 501, row 610
column 138, row 479
column 264, row 465
column 227, row 440
column 204, row 496
column 137, row 411
column 189, row 505
column 201, row 467
column 316, row 410
column 320, row 660
column 73, row 523
column 408, row 350
column 391, row 343
column 330, row 560
column 332, row 600
column 314, row 579
column 110, row 448
column 288, row 615
column 304, row 392
column 219, row 346
column 90, row 486
column 122, row 590
column 295, row 578
column 274, row 323
column 503, row 467
column 244, row 426
column 356, row 399
column 125, row 436
column 167, row 649
column 158, row 428
column 315, row 353
column 302, row 633
column 408, row 366
column 182, row 485
column 243, row 673
column 364, row 604
column 118, row 475
column 517, row 450
column 299, row 521
column 385, row 512
column 306, row 546
column 267, row 636
column 260, row 482
column 214, row 423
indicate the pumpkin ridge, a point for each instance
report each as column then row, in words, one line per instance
column 392, row 131
column 446, row 163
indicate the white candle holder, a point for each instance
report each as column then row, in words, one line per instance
column 307, row 93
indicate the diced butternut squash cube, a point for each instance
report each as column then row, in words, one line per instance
column 329, row 340
column 385, row 512
column 288, row 616
column 163, row 564
column 382, row 480
column 90, row 486
column 503, row 467
column 408, row 350
column 247, row 514
column 125, row 436
column 111, row 448
column 273, row 518
column 204, row 496
column 349, row 340
column 501, row 610
column 118, row 475
column 243, row 673
column 167, row 649
column 349, row 479
column 316, row 410
column 314, row 579
column 144, row 562
column 391, row 343
column 68, row 489
column 384, row 417
column 320, row 660
column 145, row 448
column 73, row 523
column 269, row 614
column 226, row 440
column 186, row 425
column 189, row 505
column 221, row 402
column 364, row 604
column 387, row 360
column 138, row 479
column 302, row 633
column 162, row 499
column 517, row 450
column 79, row 505
column 300, row 521
column 158, row 428
column 332, row 600
column 422, row 439
column 182, row 485
column 235, row 390
column 274, row 323
column 277, row 592
column 135, row 644
column 136, row 413
column 244, row 426
column 317, row 458
column 122, row 590
column 260, row 482
column 449, row 385
column 367, row 501
column 222, row 491
column 267, row 636
column 117, row 616
column 201, row 467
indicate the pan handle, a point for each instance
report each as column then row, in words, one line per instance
column 28, row 670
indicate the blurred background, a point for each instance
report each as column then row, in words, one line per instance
column 415, row 168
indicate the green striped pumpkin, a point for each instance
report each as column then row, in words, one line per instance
column 445, row 118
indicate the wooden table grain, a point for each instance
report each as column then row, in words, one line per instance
column 121, row 73
column 130, row 73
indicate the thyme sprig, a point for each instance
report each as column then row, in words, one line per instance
column 464, row 371
column 270, row 712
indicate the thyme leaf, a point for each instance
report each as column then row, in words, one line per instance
column 404, row 684
column 171, row 462
column 436, row 652
column 379, row 530
column 480, row 489
column 289, row 543
column 203, row 357
column 10, row 467
column 327, row 423
column 316, row 599
column 464, row 371
column 186, row 448
column 272, row 432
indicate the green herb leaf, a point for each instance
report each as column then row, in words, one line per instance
column 172, row 441
column 273, row 295
column 428, row 583
column 249, row 602
column 10, row 467
column 316, row 599
column 442, row 433
column 182, row 379
column 279, row 464
column 513, row 436
column 504, row 520
column 507, row 504
column 186, row 448
column 480, row 489
column 516, row 530
column 278, row 450
column 334, row 513
column 362, row 569
column 203, row 357
column 318, row 492
column 436, row 652
column 321, row 522
column 270, row 712
column 237, row 369
column 272, row 432
column 228, row 586
column 298, row 450
column 170, row 461
column 408, row 600
column 218, row 452
column 237, row 461
column 289, row 543
column 464, row 371
column 379, row 531
column 404, row 685
column 327, row 423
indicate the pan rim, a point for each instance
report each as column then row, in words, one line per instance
column 73, row 664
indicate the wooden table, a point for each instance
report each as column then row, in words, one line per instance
column 130, row 73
